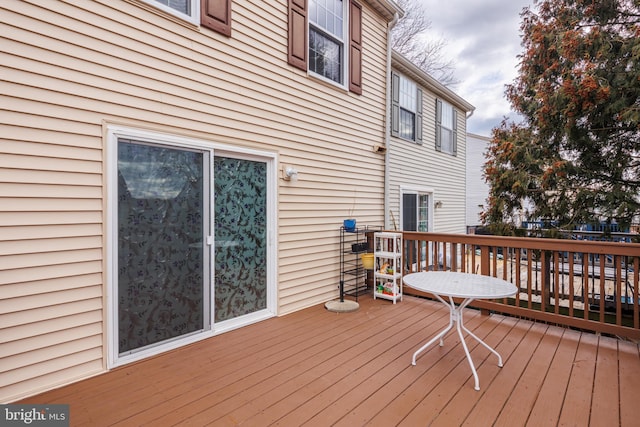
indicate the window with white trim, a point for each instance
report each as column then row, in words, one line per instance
column 326, row 39
column 186, row 9
column 406, row 109
column 446, row 127
column 212, row 14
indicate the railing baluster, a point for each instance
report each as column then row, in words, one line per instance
column 555, row 277
column 585, row 285
column 571, row 287
column 636, row 299
column 529, row 277
column 618, row 288
column 603, row 292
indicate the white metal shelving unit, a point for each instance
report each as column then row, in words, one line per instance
column 387, row 251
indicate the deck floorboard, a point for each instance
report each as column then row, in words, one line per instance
column 318, row 368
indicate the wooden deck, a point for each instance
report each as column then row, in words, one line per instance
column 319, row 368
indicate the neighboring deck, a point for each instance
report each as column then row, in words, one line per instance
column 321, row 368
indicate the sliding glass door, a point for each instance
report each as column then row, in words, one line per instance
column 162, row 257
column 189, row 249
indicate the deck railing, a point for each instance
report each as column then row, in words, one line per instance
column 590, row 285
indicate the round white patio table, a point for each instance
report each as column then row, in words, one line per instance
column 459, row 285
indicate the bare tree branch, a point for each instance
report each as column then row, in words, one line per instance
column 411, row 39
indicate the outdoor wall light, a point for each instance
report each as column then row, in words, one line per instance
column 289, row 173
column 438, row 204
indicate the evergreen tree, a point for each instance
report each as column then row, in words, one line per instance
column 575, row 156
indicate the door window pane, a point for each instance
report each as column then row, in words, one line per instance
column 409, row 204
column 423, row 213
column 240, row 193
column 160, row 247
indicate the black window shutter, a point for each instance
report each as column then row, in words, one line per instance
column 395, row 104
column 216, row 15
column 297, row 49
column 419, row 116
column 454, row 134
column 355, row 47
column 438, row 124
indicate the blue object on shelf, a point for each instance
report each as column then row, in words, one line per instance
column 349, row 224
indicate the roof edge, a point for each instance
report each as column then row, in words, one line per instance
column 387, row 8
column 403, row 64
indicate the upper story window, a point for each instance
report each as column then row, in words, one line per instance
column 446, row 127
column 325, row 39
column 213, row 14
column 186, row 9
column 406, row 109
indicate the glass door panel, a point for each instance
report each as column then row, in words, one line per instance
column 423, row 213
column 161, row 255
column 240, row 200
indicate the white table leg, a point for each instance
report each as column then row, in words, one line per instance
column 452, row 316
column 455, row 316
column 459, row 327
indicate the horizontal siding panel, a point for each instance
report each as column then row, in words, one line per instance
column 52, row 325
column 51, row 365
column 50, row 339
column 183, row 62
column 41, row 218
column 314, row 293
column 20, row 261
column 50, row 285
column 307, row 299
column 45, row 136
column 44, row 122
column 43, row 190
column 13, row 161
column 200, row 90
column 49, row 271
column 35, row 356
column 21, row 204
column 307, row 261
column 309, row 257
column 51, row 312
column 324, row 283
column 33, row 302
column 49, row 379
column 13, row 247
column 32, row 176
column 50, row 150
column 49, row 232
column 75, row 106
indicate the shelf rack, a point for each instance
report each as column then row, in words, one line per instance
column 387, row 266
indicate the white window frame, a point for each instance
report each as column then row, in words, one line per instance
column 115, row 132
column 343, row 41
column 194, row 18
column 450, row 127
column 407, row 85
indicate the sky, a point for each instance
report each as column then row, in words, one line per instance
column 483, row 41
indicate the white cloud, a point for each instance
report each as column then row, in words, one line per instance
column 483, row 40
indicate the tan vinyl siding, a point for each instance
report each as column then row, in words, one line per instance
column 70, row 68
column 417, row 165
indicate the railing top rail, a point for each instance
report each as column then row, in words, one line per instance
column 596, row 247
